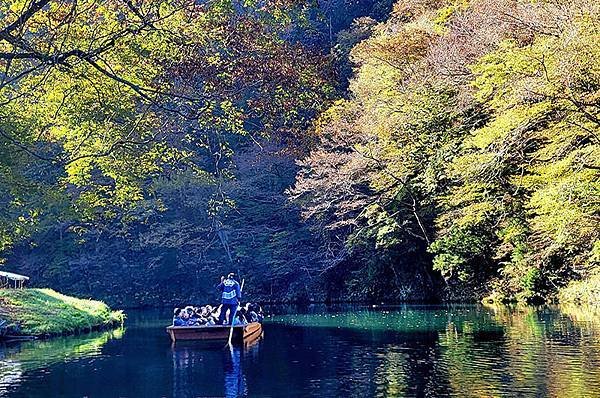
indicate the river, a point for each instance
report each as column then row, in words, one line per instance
column 340, row 351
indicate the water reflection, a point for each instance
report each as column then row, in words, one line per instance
column 544, row 352
column 18, row 358
column 235, row 382
column 405, row 351
column 465, row 351
column 197, row 366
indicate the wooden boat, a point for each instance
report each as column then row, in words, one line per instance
column 241, row 333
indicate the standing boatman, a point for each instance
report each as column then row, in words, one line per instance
column 231, row 294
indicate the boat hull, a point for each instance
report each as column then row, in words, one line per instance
column 215, row 332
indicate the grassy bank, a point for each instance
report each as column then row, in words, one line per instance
column 44, row 312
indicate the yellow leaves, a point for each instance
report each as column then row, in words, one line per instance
column 469, row 191
column 550, row 68
column 79, row 171
column 471, row 166
column 586, row 292
column 127, row 194
column 331, row 116
column 533, row 91
column 214, row 59
column 507, row 122
column 17, row 6
column 517, row 74
column 565, row 201
column 388, row 58
column 513, row 172
column 226, row 106
column 474, row 214
column 561, row 218
column 445, row 14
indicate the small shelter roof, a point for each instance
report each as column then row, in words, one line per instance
column 14, row 277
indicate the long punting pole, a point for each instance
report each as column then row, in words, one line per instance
column 233, row 316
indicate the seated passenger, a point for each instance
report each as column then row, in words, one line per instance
column 178, row 318
column 185, row 316
column 205, row 316
column 201, row 316
column 239, row 319
column 188, row 313
column 216, row 314
column 243, row 315
column 251, row 315
column 259, row 313
column 192, row 319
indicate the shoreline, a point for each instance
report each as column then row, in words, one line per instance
column 387, row 303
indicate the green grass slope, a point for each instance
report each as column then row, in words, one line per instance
column 44, row 312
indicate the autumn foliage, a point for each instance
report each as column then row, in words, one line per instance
column 471, row 133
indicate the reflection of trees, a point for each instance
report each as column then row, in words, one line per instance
column 391, row 376
column 10, row 374
column 587, row 317
column 470, row 368
column 410, row 369
column 30, row 355
column 462, row 351
column 542, row 352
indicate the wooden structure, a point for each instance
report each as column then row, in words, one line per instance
column 8, row 278
column 241, row 333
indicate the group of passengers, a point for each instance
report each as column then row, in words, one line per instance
column 208, row 315
column 231, row 295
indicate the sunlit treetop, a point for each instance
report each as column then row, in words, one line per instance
column 113, row 92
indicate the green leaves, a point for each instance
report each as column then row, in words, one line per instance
column 100, row 92
column 522, row 163
column 498, row 162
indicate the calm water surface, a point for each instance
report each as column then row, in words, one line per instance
column 412, row 351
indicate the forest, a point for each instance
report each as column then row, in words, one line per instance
column 337, row 150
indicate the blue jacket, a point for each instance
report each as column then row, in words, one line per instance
column 230, row 291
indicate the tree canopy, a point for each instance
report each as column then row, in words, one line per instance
column 430, row 149
column 471, row 131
